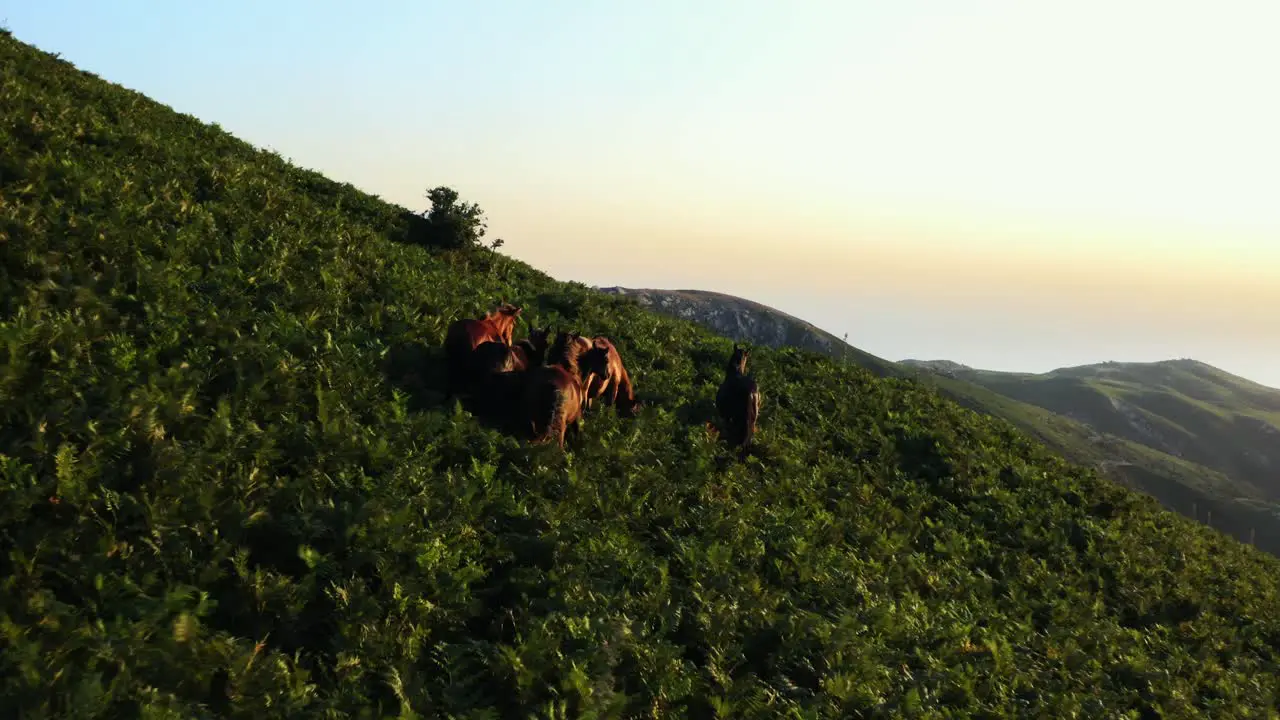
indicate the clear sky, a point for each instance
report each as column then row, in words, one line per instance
column 1012, row 185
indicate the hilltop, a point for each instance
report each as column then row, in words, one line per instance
column 1199, row 440
column 747, row 320
column 232, row 487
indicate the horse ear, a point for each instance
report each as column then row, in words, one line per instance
column 601, row 343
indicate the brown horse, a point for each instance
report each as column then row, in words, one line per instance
column 500, row 371
column 738, row 400
column 554, row 395
column 493, row 356
column 465, row 334
column 610, row 378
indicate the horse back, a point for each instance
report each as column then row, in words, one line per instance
column 736, row 394
column 491, row 356
column 552, row 395
column 553, row 376
column 469, row 333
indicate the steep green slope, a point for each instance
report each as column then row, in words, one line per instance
column 230, row 487
column 1218, row 497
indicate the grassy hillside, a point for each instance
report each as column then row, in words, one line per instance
column 1217, row 436
column 230, row 487
column 1182, row 408
column 1217, row 494
column 1203, row 493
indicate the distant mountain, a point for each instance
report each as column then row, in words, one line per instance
column 1203, row 442
column 1183, row 408
column 749, row 321
column 940, row 367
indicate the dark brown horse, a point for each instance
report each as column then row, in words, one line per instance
column 610, row 378
column 500, row 372
column 554, row 397
column 738, row 401
column 464, row 335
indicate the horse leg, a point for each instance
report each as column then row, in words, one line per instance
column 734, row 426
column 534, row 436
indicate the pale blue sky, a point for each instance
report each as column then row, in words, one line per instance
column 1013, row 185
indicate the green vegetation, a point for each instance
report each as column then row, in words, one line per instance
column 1202, row 441
column 1180, row 407
column 1199, row 440
column 231, row 487
column 453, row 224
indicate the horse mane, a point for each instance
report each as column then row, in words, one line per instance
column 503, row 319
column 565, row 351
column 504, row 309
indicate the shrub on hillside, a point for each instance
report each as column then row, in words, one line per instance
column 453, row 224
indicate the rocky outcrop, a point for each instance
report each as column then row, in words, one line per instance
column 749, row 322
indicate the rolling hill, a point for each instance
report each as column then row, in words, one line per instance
column 1182, row 408
column 232, row 486
column 1203, row 442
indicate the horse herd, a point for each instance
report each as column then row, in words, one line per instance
column 544, row 385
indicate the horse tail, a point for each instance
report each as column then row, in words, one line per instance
column 625, row 391
column 749, row 424
column 561, row 408
column 547, row 408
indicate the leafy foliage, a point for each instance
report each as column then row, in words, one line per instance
column 231, row 487
column 452, row 223
column 1199, row 440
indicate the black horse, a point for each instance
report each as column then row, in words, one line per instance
column 738, row 401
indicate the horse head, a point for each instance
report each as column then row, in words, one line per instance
column 539, row 337
column 503, row 319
